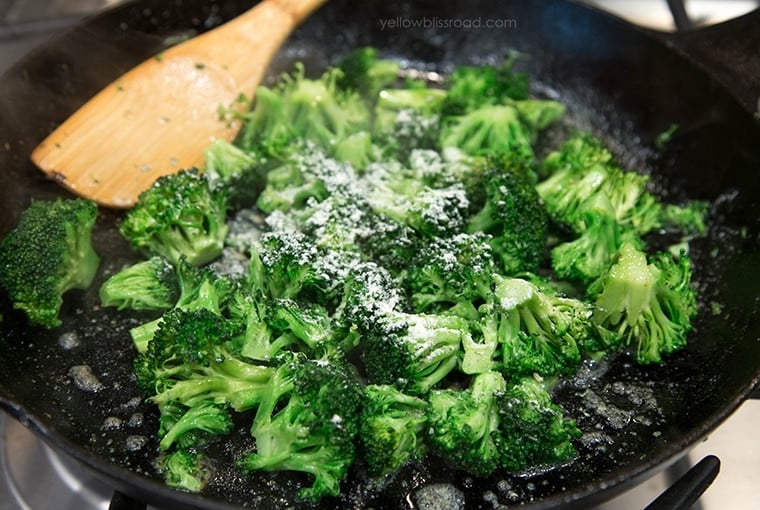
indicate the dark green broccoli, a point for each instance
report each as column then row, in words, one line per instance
column 365, row 72
column 181, row 425
column 299, row 108
column 647, row 306
column 179, row 216
column 392, row 429
column 191, row 360
column 308, row 422
column 390, row 244
column 514, row 216
column 447, row 271
column 470, row 87
column 534, row 431
column 412, row 351
column 240, row 173
column 539, row 332
column 48, row 253
column 199, row 288
column 146, row 285
column 464, row 425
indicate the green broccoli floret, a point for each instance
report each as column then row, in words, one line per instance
column 358, row 150
column 299, row 108
column 534, row 432
column 191, row 360
column 48, row 253
column 584, row 174
column 390, row 244
column 365, row 72
column 284, row 264
column 182, row 425
column 586, row 257
column 447, row 271
column 146, row 285
column 392, row 429
column 308, row 174
column 240, row 173
column 540, row 332
column 538, row 114
column 179, row 216
column 688, row 218
column 470, row 87
column 645, row 306
column 399, row 194
column 309, row 323
column 488, row 131
column 184, row 469
column 308, row 422
column 199, row 288
column 464, row 425
column 369, row 293
column 413, row 351
column 514, row 216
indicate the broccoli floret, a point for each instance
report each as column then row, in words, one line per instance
column 308, row 422
column 534, row 431
column 538, row 114
column 369, row 293
column 407, row 119
column 184, row 469
column 366, row 73
column 540, row 332
column 146, row 285
column 284, row 264
column 586, row 257
column 240, row 173
column 464, row 425
column 309, row 323
column 307, row 174
column 48, row 253
column 390, row 244
column 514, row 216
column 645, row 306
column 181, row 424
column 470, row 87
column 392, row 429
column 584, row 173
column 358, row 150
column 179, row 216
column 489, row 130
column 339, row 222
column 399, row 194
column 688, row 218
column 191, row 360
column 299, row 108
column 199, row 288
column 413, row 351
column 447, row 271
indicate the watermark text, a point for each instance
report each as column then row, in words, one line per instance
column 435, row 22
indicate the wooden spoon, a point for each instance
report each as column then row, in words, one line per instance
column 160, row 116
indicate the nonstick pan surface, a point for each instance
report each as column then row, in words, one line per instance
column 73, row 385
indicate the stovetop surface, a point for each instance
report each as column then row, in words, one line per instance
column 33, row 477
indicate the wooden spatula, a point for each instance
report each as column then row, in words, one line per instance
column 160, row 116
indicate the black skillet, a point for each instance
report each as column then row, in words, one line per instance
column 622, row 83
